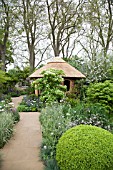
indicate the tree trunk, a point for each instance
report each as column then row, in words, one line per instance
column 56, row 51
column 32, row 59
column 2, row 56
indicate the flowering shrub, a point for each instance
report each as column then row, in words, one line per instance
column 50, row 86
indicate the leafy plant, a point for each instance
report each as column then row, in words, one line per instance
column 91, row 114
column 15, row 114
column 85, row 147
column 6, row 98
column 51, row 165
column 101, row 93
column 54, row 124
column 58, row 117
column 6, row 127
column 50, row 86
column 30, row 103
column 23, row 108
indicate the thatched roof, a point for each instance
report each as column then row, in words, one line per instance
column 59, row 64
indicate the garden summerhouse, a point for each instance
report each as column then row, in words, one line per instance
column 71, row 74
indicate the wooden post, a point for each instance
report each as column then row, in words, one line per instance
column 71, row 85
column 36, row 90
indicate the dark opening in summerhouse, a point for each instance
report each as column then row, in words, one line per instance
column 67, row 83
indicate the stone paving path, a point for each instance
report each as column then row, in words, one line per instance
column 23, row 149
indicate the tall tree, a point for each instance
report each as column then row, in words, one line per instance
column 64, row 18
column 31, row 12
column 6, row 27
column 99, row 19
column 5, row 23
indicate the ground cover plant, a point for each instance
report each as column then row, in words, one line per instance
column 30, row 103
column 85, row 147
column 58, row 117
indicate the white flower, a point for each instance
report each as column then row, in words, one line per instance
column 45, row 147
column 0, row 107
column 1, row 110
column 82, row 121
column 11, row 104
column 52, row 133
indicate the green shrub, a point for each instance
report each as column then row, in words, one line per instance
column 6, row 127
column 85, row 147
column 101, row 93
column 23, row 108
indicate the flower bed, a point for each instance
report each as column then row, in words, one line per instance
column 8, row 117
column 57, row 118
column 30, row 103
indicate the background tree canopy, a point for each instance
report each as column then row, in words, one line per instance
column 33, row 31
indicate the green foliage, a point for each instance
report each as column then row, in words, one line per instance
column 58, row 117
column 30, row 103
column 90, row 114
column 110, row 73
column 15, row 114
column 30, row 90
column 50, row 86
column 7, row 107
column 9, row 50
column 76, row 62
column 51, row 165
column 6, row 127
column 19, row 75
column 85, row 147
column 23, row 108
column 54, row 124
column 6, row 98
column 101, row 93
column 3, row 77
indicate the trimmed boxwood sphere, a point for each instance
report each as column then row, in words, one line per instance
column 85, row 147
